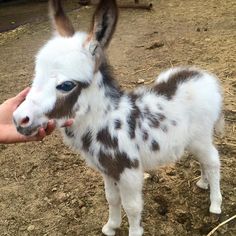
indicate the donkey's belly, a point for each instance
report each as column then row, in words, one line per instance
column 151, row 160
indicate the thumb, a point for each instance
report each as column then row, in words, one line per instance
column 19, row 98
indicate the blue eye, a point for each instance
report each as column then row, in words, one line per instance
column 66, row 86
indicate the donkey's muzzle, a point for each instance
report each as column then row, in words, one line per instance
column 27, row 131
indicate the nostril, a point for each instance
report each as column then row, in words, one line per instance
column 25, row 121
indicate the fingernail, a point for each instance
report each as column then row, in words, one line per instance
column 51, row 122
column 70, row 122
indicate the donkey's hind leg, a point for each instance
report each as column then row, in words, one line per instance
column 208, row 157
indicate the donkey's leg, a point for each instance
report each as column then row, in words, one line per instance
column 113, row 198
column 130, row 185
column 209, row 158
column 212, row 169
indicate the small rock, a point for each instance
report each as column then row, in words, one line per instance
column 22, row 228
column 31, row 228
column 162, row 209
column 83, row 209
column 61, row 196
column 146, row 176
column 81, row 204
column 46, row 199
column 155, row 45
column 54, row 189
column 183, row 217
column 198, row 29
column 140, row 81
column 73, row 201
column 23, row 177
column 170, row 172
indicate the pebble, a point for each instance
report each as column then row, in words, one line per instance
column 146, row 176
column 31, row 228
column 140, row 81
column 61, row 196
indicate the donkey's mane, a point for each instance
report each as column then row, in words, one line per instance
column 111, row 86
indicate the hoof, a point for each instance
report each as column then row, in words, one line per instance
column 137, row 232
column 202, row 184
column 215, row 209
column 108, row 231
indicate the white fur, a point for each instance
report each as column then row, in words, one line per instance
column 195, row 108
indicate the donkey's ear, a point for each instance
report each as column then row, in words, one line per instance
column 60, row 21
column 104, row 22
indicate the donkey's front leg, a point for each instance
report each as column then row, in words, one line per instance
column 130, row 185
column 113, row 198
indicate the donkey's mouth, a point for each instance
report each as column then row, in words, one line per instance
column 28, row 131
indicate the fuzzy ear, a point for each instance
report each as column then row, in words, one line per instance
column 104, row 22
column 60, row 21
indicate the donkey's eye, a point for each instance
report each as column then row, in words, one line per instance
column 66, row 86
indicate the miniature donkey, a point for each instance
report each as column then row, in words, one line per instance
column 122, row 134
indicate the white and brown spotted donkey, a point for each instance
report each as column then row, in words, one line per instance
column 121, row 134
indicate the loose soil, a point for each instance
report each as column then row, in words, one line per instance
column 46, row 189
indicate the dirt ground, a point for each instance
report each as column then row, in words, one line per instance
column 46, row 189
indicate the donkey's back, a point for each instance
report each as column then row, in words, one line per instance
column 177, row 113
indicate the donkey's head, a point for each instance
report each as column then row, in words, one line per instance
column 65, row 67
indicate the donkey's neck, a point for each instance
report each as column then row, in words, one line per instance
column 101, row 98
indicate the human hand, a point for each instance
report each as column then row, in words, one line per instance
column 8, row 132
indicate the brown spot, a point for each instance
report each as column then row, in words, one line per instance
column 173, row 122
column 110, row 85
column 64, row 105
column 61, row 22
column 146, row 110
column 117, row 124
column 161, row 116
column 145, row 135
column 153, row 118
column 139, row 124
column 168, row 88
column 160, row 107
column 104, row 137
column 88, row 109
column 87, row 140
column 133, row 117
column 155, row 145
column 164, row 128
column 133, row 96
column 114, row 166
column 69, row 132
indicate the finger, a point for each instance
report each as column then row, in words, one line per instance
column 50, row 127
column 19, row 98
column 40, row 135
column 68, row 123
